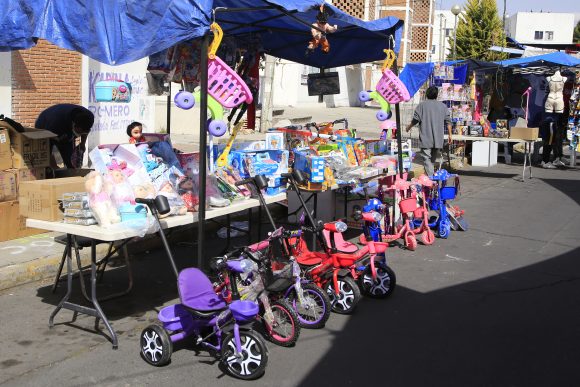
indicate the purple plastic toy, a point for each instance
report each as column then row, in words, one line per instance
column 224, row 329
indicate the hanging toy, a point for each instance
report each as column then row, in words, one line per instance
column 321, row 28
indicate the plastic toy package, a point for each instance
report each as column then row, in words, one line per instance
column 80, row 221
column 266, row 162
column 188, row 188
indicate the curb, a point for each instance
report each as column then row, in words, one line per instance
column 46, row 267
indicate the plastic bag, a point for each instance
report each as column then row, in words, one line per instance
column 222, row 232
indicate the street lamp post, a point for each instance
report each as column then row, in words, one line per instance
column 455, row 10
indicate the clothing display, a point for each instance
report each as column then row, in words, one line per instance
column 555, row 101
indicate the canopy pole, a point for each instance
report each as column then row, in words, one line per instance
column 321, row 97
column 399, row 134
column 168, row 124
column 202, row 150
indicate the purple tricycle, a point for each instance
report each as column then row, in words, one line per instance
column 202, row 314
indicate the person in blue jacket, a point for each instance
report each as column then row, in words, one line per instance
column 72, row 125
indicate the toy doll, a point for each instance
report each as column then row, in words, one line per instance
column 321, row 24
column 175, row 201
column 122, row 190
column 135, row 133
column 100, row 201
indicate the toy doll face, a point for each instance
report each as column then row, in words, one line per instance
column 136, row 132
column 117, row 176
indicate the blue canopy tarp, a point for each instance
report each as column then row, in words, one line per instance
column 121, row 31
column 550, row 60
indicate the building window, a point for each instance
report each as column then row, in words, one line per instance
column 549, row 35
column 448, row 32
column 433, row 49
column 538, row 35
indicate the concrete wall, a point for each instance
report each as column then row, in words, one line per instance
column 522, row 27
column 5, row 84
column 290, row 89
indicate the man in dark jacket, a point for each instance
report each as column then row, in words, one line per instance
column 72, row 124
column 432, row 116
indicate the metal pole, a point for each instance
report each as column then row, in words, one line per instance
column 399, row 127
column 455, row 40
column 202, row 150
column 321, row 97
column 168, row 124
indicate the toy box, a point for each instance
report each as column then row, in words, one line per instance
column 262, row 162
column 376, row 147
column 275, row 185
column 275, row 141
column 312, row 165
column 392, row 146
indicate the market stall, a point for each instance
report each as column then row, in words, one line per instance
column 129, row 166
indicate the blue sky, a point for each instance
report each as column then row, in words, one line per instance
column 513, row 6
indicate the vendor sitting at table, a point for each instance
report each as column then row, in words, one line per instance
column 72, row 125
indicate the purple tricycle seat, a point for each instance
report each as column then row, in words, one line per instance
column 244, row 310
column 196, row 291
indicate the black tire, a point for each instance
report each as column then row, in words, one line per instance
column 383, row 286
column 254, row 355
column 312, row 316
column 286, row 328
column 348, row 297
column 156, row 346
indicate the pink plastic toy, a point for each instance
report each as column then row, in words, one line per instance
column 391, row 88
column 224, row 84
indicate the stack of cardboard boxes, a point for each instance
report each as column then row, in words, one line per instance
column 24, row 156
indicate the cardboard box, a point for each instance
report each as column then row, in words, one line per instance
column 40, row 199
column 13, row 225
column 31, row 148
column 10, row 180
column 8, row 190
column 5, row 152
column 524, row 133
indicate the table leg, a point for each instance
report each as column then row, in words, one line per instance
column 68, row 281
column 95, row 301
column 228, row 233
column 249, row 226
column 64, row 303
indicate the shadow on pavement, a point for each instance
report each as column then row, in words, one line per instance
column 518, row 328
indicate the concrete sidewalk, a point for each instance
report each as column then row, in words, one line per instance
column 496, row 305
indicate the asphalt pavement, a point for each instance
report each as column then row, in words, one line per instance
column 498, row 305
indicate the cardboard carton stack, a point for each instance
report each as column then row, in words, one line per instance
column 23, row 157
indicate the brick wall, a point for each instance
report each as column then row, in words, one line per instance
column 355, row 8
column 43, row 76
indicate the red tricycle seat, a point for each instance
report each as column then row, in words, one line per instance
column 408, row 205
column 345, row 259
column 339, row 243
column 303, row 255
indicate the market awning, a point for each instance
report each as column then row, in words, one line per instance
column 540, row 63
column 117, row 32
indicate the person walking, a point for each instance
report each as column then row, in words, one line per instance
column 432, row 117
column 72, row 125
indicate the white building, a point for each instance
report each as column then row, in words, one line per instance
column 540, row 27
column 443, row 31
